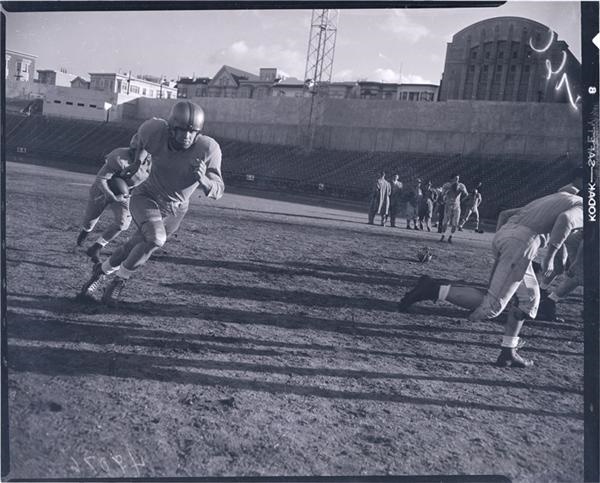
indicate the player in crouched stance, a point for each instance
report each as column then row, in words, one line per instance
column 515, row 246
column 182, row 160
column 119, row 163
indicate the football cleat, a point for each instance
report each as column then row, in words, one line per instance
column 113, row 290
column 424, row 255
column 509, row 358
column 94, row 281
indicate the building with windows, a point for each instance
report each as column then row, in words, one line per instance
column 19, row 67
column 418, row 92
column 54, row 78
column 510, row 59
column 188, row 87
column 127, row 85
column 80, row 82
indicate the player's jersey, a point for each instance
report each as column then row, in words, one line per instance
column 117, row 163
column 557, row 214
column 173, row 177
column 451, row 196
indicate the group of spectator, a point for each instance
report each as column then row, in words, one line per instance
column 422, row 202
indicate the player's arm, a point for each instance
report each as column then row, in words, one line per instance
column 208, row 174
column 111, row 167
column 564, row 224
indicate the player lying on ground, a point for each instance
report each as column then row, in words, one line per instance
column 515, row 246
column 182, row 160
column 119, row 163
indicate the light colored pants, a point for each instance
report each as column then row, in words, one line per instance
column 451, row 216
column 96, row 205
column 514, row 249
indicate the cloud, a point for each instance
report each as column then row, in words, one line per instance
column 343, row 75
column 399, row 24
column 392, row 76
column 386, row 75
column 252, row 57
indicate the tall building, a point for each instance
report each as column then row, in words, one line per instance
column 510, row 59
column 19, row 66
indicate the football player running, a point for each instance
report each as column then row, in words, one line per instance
column 452, row 192
column 546, row 221
column 183, row 160
column 118, row 163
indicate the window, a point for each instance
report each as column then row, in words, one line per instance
column 143, row 91
column 24, row 67
column 102, row 83
column 69, row 103
column 199, row 92
column 514, row 54
column 487, row 55
column 57, row 102
column 513, row 68
column 404, row 96
column 485, row 68
column 474, row 54
column 93, row 105
column 472, row 68
column 79, row 104
column 183, row 92
column 501, row 55
column 499, row 68
column 112, row 84
column 526, row 68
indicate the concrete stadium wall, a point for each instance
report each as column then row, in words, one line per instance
column 536, row 130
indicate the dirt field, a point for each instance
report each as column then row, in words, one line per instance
column 265, row 341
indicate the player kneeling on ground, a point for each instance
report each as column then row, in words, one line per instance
column 111, row 189
column 182, row 160
column 515, row 246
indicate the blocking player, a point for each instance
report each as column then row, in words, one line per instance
column 572, row 278
column 183, row 160
column 472, row 209
column 515, row 245
column 118, row 163
column 452, row 191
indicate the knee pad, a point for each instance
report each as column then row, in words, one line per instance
column 154, row 232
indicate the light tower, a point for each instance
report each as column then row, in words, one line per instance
column 319, row 67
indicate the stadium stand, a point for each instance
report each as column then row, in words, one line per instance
column 507, row 181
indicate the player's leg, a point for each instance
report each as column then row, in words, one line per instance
column 445, row 222
column 528, row 299
column 465, row 219
column 96, row 204
column 155, row 233
column 121, row 222
column 476, row 213
column 454, row 217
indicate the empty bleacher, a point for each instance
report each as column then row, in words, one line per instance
column 507, row 181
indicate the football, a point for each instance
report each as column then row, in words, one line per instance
column 118, row 186
column 424, row 255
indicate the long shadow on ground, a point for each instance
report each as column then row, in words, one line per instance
column 64, row 305
column 32, row 328
column 69, row 362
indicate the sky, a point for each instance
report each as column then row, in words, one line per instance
column 386, row 45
